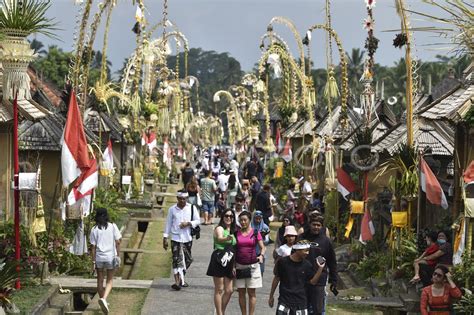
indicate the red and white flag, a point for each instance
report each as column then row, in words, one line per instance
column 345, row 184
column 83, row 188
column 430, row 185
column 149, row 140
column 108, row 157
column 287, row 153
column 278, row 141
column 74, row 151
column 367, row 229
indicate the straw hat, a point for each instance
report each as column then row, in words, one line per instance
column 290, row 230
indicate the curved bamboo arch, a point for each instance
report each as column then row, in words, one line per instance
column 239, row 122
column 299, row 42
column 155, row 27
column 273, row 37
column 344, row 80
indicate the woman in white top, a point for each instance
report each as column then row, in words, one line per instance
column 290, row 238
column 105, row 239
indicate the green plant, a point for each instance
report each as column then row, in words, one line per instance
column 463, row 273
column 373, row 265
column 406, row 253
column 466, row 304
column 108, row 199
column 28, row 16
column 8, row 276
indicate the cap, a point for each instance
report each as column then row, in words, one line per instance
column 290, row 230
column 303, row 244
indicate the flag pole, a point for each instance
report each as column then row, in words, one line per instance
column 16, row 191
column 420, row 192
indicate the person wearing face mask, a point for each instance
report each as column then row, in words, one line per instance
column 431, row 249
column 444, row 256
column 437, row 299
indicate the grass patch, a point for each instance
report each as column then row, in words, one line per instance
column 157, row 264
column 27, row 297
column 127, row 301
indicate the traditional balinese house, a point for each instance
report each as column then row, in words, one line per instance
column 28, row 109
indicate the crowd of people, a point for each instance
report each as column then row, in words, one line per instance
column 303, row 262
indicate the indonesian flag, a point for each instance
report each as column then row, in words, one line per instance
column 149, row 140
column 469, row 173
column 108, row 157
column 431, row 186
column 278, row 141
column 287, row 154
column 83, row 188
column 367, row 229
column 74, row 152
column 345, row 185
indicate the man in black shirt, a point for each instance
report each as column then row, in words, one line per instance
column 264, row 204
column 320, row 246
column 293, row 273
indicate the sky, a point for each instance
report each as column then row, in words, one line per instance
column 236, row 26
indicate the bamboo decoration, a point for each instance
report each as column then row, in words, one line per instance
column 80, row 45
column 405, row 26
column 299, row 42
column 343, row 62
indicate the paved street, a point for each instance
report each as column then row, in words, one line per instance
column 198, row 297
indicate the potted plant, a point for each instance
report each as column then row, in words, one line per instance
column 18, row 19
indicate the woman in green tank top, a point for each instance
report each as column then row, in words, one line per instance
column 221, row 265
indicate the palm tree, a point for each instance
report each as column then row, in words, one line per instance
column 355, row 69
column 38, row 47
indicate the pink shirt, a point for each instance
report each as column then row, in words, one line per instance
column 246, row 248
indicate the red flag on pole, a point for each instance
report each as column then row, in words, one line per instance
column 367, row 230
column 74, row 151
column 431, row 186
column 287, row 153
column 345, row 184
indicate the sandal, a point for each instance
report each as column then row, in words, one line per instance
column 175, row 287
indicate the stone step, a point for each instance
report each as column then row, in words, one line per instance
column 65, row 302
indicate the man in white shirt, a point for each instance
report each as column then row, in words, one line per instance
column 222, row 181
column 181, row 217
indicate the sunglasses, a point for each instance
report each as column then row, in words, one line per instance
column 229, row 216
column 437, row 274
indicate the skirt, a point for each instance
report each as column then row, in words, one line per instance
column 215, row 268
column 255, row 281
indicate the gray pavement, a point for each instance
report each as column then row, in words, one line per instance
column 198, row 297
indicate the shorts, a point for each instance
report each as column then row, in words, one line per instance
column 109, row 265
column 208, row 206
column 249, row 283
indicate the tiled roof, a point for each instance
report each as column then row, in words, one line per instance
column 49, row 89
column 114, row 126
column 5, row 114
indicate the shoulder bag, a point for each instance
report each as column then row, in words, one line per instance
column 196, row 232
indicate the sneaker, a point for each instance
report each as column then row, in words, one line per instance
column 104, row 306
